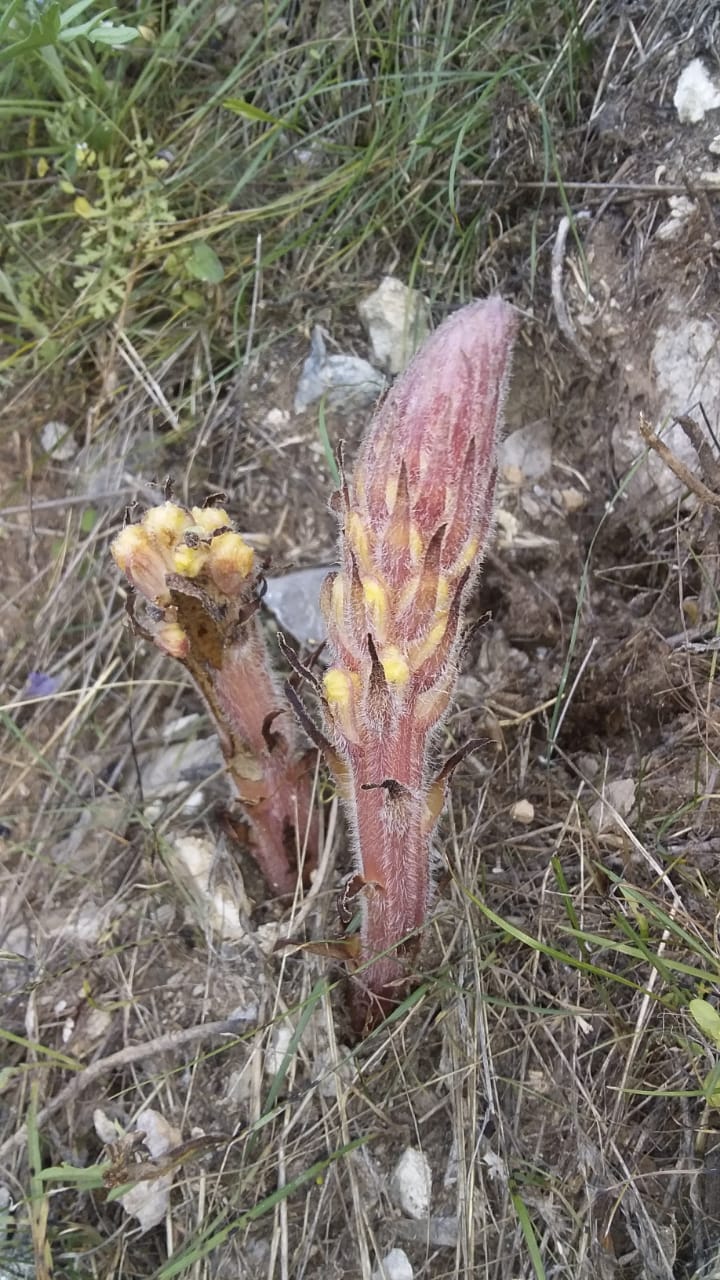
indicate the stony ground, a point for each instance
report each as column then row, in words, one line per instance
column 546, row 1105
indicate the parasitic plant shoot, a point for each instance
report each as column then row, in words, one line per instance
column 415, row 519
column 198, row 583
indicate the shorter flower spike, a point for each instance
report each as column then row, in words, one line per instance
column 197, row 578
column 415, row 519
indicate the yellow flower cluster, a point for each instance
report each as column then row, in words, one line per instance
column 200, row 543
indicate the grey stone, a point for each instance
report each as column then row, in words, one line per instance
column 348, row 383
column 397, row 320
column 294, row 599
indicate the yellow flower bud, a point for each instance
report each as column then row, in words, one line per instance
column 189, row 561
column 417, row 546
column 172, row 640
column 338, row 686
column 376, row 600
column 143, row 564
column 420, row 652
column 395, row 665
column 359, row 540
column 211, row 518
column 229, row 561
column 337, row 600
column 131, row 540
column 167, row 523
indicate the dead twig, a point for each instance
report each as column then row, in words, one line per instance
column 123, row 1058
column 678, row 468
column 562, row 315
column 700, row 443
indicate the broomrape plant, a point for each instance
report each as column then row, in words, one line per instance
column 414, row 522
column 197, row 579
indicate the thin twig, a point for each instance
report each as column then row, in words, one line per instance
column 321, row 875
column 628, row 190
column 123, row 1058
column 701, row 445
column 562, row 314
column 678, row 468
column 256, row 294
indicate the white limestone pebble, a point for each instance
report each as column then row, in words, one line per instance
column 696, row 93
column 395, row 1266
column 412, row 1183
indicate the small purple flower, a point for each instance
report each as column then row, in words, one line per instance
column 40, row 685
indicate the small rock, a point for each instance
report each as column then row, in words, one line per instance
column 687, row 368
column 106, row 1130
column 57, row 440
column 172, row 770
column 92, row 1025
column 588, row 765
column 395, row 1266
column 523, row 811
column 193, row 860
column 686, row 363
column 530, row 506
column 412, row 1183
column 439, row 1232
column 618, row 798
column 294, row 598
column 527, row 453
column 248, row 1011
column 86, row 925
column 149, row 1201
column 573, row 499
column 17, row 943
column 240, row 1086
column 268, row 935
column 276, row 418
column 714, row 146
column 496, row 1167
column 397, row 320
column 347, row 382
column 696, row 93
column 681, row 211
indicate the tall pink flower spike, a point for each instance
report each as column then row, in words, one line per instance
column 415, row 520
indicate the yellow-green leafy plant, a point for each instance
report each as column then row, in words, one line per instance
column 194, row 592
column 414, row 521
column 127, row 218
